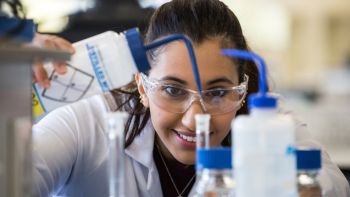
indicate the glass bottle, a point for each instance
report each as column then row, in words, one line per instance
column 216, row 173
column 308, row 166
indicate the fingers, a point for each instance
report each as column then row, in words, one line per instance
column 63, row 44
column 60, row 67
column 52, row 42
column 49, row 42
column 40, row 75
column 58, row 43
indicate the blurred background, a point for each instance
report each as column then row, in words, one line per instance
column 306, row 45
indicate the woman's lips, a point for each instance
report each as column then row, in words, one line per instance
column 186, row 139
column 188, row 136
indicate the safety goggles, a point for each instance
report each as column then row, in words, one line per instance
column 176, row 99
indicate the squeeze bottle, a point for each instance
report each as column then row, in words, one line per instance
column 101, row 63
column 264, row 160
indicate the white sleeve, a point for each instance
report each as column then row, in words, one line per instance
column 333, row 182
column 54, row 151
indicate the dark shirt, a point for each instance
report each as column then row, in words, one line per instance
column 180, row 173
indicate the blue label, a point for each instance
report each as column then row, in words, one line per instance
column 97, row 66
column 290, row 150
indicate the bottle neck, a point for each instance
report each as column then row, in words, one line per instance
column 262, row 111
column 308, row 177
column 310, row 173
column 216, row 172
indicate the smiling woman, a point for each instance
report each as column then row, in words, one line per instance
column 172, row 108
column 70, row 147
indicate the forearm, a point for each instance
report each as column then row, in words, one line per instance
column 54, row 153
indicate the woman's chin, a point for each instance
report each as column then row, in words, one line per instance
column 186, row 158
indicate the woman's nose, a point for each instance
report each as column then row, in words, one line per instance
column 188, row 116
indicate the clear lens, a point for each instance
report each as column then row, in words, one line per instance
column 178, row 100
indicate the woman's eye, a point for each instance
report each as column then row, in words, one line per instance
column 216, row 93
column 174, row 91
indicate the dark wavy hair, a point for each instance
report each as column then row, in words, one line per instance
column 199, row 20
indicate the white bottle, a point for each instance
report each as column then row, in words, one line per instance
column 264, row 164
column 264, row 160
column 101, row 63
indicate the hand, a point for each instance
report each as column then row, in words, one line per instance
column 49, row 42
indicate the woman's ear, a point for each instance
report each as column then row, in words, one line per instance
column 141, row 89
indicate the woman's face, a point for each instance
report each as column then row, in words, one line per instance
column 173, row 66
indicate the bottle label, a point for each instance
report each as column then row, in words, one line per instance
column 77, row 83
column 101, row 63
column 74, row 85
column 86, row 75
column 37, row 105
column 97, row 65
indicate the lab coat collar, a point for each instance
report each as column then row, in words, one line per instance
column 141, row 149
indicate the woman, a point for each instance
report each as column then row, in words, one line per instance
column 70, row 148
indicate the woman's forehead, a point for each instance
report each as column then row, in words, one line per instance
column 174, row 60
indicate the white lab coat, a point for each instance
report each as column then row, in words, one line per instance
column 70, row 155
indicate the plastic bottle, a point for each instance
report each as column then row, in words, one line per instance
column 101, row 63
column 308, row 165
column 262, row 140
column 115, row 122
column 216, row 173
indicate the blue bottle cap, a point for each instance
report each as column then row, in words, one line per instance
column 137, row 49
column 261, row 101
column 214, row 158
column 308, row 159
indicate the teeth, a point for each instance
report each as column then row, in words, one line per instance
column 187, row 138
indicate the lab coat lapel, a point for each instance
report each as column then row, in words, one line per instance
column 141, row 150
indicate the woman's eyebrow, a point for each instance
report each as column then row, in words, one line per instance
column 210, row 82
column 171, row 78
column 220, row 80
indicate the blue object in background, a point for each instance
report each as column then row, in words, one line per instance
column 16, row 29
column 308, row 159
